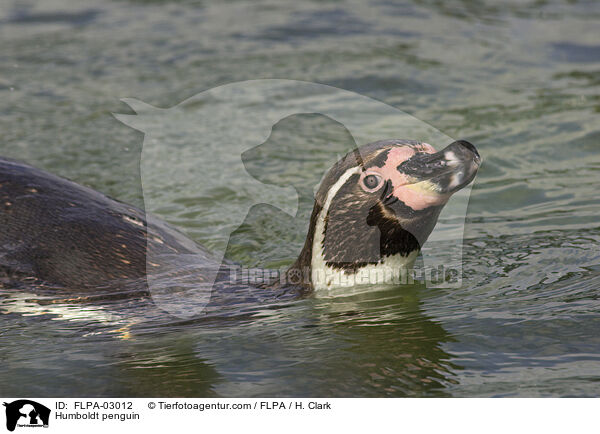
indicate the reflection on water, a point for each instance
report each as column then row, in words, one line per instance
column 520, row 81
column 394, row 349
column 372, row 344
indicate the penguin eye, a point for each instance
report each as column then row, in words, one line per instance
column 372, row 182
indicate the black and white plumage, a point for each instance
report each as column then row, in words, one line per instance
column 374, row 209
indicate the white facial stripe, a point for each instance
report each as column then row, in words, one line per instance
column 317, row 260
column 324, row 278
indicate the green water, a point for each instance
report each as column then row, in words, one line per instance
column 519, row 81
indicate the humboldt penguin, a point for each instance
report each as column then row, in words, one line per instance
column 376, row 207
column 373, row 211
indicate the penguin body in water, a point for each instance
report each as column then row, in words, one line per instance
column 373, row 211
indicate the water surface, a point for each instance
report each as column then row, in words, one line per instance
column 520, row 81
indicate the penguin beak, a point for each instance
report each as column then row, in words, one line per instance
column 443, row 172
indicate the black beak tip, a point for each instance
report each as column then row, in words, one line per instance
column 469, row 146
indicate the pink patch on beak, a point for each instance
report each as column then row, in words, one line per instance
column 419, row 199
column 403, row 189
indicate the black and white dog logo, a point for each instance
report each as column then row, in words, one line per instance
column 26, row 413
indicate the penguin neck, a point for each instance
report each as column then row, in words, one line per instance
column 303, row 267
column 300, row 272
column 311, row 272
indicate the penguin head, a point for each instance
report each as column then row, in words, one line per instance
column 379, row 203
